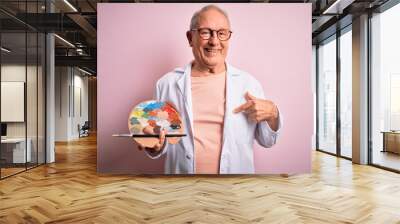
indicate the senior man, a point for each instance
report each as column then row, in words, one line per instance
column 223, row 108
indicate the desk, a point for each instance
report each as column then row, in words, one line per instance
column 391, row 141
column 16, row 151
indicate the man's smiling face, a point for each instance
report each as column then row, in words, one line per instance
column 210, row 53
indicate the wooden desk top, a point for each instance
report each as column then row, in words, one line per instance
column 391, row 132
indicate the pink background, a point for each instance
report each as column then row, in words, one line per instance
column 138, row 43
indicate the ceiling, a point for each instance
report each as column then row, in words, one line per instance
column 76, row 21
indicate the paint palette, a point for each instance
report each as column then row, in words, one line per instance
column 154, row 116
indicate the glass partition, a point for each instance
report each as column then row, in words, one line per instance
column 13, row 99
column 22, row 77
column 31, row 100
column 41, row 91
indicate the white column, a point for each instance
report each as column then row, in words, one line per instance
column 50, row 92
column 50, row 100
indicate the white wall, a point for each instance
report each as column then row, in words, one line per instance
column 81, row 104
column 15, row 72
column 62, row 81
column 71, row 94
column 33, row 127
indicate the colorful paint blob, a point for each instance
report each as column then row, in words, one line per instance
column 156, row 115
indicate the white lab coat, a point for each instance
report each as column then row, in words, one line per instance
column 238, row 132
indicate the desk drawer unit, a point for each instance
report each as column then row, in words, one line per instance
column 13, row 150
column 19, row 154
column 391, row 142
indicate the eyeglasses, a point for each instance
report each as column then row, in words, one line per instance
column 206, row 33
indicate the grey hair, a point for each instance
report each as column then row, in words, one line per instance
column 195, row 18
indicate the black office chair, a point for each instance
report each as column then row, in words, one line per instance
column 84, row 130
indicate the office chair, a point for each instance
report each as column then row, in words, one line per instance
column 84, row 130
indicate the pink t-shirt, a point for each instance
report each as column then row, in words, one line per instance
column 208, row 103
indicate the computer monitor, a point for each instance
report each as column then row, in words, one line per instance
column 3, row 129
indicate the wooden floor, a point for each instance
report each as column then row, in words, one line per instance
column 70, row 191
column 387, row 159
column 5, row 172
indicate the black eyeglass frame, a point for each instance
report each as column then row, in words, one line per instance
column 212, row 33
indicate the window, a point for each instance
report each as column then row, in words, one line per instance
column 327, row 96
column 385, row 88
column 346, row 93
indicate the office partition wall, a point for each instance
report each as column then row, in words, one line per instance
column 22, row 87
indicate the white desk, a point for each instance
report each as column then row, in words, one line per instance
column 18, row 151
